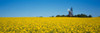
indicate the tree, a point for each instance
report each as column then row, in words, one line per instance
column 89, row 16
column 83, row 15
column 62, row 15
column 80, row 15
column 41, row 16
column 58, row 16
column 67, row 16
column 52, row 16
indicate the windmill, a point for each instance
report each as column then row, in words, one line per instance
column 70, row 12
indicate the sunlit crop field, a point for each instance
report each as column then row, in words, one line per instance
column 49, row 25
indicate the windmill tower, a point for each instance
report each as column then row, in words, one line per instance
column 70, row 12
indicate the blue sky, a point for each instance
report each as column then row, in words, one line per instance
column 46, row 8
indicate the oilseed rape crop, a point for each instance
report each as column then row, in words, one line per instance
column 49, row 25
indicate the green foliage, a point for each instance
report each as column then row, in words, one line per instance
column 89, row 16
column 78, row 15
column 58, row 16
column 62, row 15
column 52, row 16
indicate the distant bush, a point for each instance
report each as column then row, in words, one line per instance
column 41, row 16
column 90, row 16
column 58, row 16
column 78, row 15
column 82, row 15
column 52, row 16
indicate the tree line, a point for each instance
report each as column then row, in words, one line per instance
column 78, row 15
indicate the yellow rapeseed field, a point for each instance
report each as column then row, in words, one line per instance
column 49, row 25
